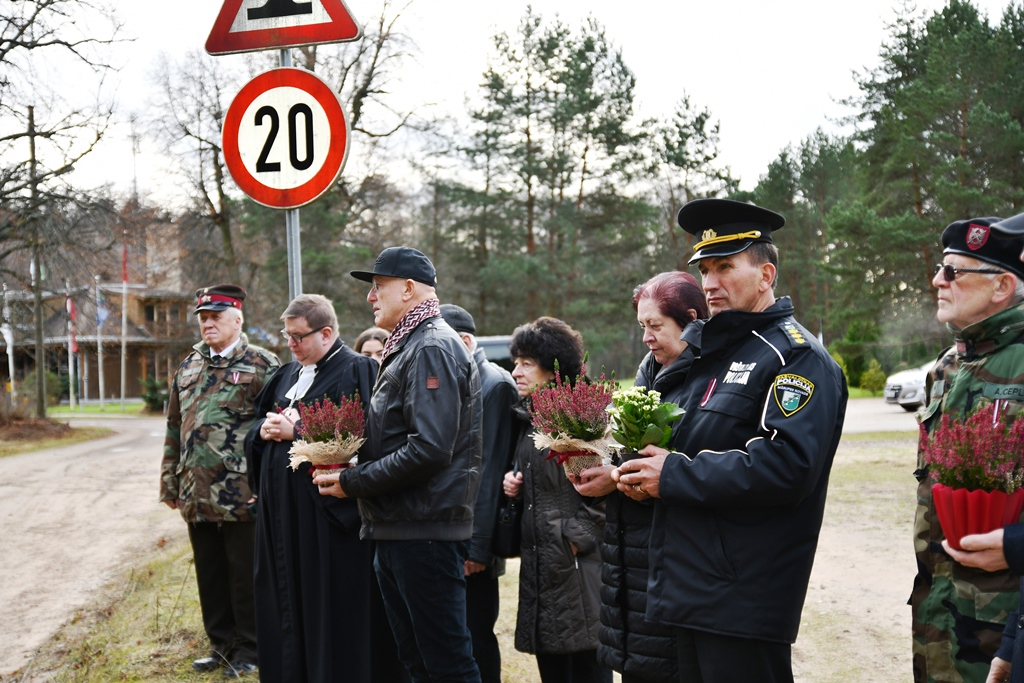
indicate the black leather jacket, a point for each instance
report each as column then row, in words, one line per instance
column 419, row 469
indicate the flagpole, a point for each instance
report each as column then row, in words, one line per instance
column 99, row 343
column 8, row 331
column 72, row 374
column 124, row 318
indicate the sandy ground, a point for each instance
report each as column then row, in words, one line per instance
column 73, row 518
column 70, row 520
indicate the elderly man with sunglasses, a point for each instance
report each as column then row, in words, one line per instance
column 959, row 611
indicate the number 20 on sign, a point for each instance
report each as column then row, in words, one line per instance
column 285, row 138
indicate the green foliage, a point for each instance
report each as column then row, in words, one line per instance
column 641, row 419
column 841, row 362
column 54, row 388
column 873, row 379
column 154, row 394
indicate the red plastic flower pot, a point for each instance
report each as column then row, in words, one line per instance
column 963, row 512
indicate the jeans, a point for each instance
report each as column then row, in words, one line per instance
column 424, row 593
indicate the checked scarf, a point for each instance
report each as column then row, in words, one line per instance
column 427, row 309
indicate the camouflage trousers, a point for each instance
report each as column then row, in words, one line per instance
column 958, row 612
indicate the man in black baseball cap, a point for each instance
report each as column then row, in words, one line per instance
column 401, row 262
column 419, row 471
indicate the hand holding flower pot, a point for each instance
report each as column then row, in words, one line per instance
column 329, row 435
column 640, row 419
column 570, row 419
column 978, row 466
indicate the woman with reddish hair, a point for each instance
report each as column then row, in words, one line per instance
column 643, row 652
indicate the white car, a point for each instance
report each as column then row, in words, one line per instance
column 906, row 388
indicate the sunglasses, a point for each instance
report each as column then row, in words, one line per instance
column 949, row 271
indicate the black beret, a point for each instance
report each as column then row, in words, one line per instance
column 402, row 262
column 219, row 297
column 458, row 318
column 726, row 227
column 976, row 238
column 1010, row 227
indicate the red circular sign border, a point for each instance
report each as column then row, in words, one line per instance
column 288, row 198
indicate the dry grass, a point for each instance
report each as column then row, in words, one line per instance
column 78, row 435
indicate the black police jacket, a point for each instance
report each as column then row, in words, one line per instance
column 733, row 543
column 627, row 641
column 419, row 469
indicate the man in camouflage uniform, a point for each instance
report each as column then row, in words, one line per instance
column 203, row 473
column 959, row 611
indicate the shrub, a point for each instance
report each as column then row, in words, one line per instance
column 154, row 394
column 873, row 379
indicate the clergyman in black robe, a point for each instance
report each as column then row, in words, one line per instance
column 314, row 580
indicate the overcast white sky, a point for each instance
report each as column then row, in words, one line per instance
column 770, row 72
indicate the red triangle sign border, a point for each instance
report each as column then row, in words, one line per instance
column 341, row 28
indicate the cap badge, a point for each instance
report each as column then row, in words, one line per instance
column 977, row 236
column 708, row 235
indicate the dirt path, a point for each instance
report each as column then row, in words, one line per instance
column 70, row 520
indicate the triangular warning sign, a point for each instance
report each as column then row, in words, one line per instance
column 247, row 25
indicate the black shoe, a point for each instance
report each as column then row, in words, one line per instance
column 206, row 664
column 239, row 669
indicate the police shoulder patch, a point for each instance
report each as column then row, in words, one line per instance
column 792, row 392
column 793, row 332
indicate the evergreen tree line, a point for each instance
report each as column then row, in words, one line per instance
column 552, row 197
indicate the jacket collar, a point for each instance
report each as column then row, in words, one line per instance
column 727, row 327
column 991, row 334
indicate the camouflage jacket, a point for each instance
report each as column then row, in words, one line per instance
column 210, row 411
column 959, row 612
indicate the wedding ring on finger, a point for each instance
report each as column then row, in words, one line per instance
column 639, row 488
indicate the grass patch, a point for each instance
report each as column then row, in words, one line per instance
column 110, row 408
column 79, row 434
column 145, row 626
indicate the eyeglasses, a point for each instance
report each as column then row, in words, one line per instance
column 297, row 338
column 949, row 271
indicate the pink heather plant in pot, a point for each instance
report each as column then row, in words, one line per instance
column 329, row 435
column 572, row 421
column 978, row 466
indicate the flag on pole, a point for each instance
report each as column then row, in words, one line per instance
column 72, row 316
column 124, row 262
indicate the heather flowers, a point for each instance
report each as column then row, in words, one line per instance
column 983, row 452
column 328, row 434
column 570, row 418
column 639, row 418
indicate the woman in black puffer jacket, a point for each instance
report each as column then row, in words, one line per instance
column 643, row 652
column 560, row 567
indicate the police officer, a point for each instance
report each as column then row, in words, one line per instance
column 203, row 473
column 958, row 612
column 743, row 488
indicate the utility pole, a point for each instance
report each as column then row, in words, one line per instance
column 37, row 270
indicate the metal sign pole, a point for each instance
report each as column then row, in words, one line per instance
column 291, row 226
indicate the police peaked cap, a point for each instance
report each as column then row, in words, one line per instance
column 725, row 227
column 980, row 239
column 219, row 298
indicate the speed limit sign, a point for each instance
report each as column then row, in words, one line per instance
column 285, row 138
